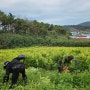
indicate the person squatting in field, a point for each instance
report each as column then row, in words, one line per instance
column 15, row 67
column 63, row 65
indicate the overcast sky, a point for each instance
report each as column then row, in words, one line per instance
column 58, row 12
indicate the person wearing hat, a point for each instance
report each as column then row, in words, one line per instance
column 15, row 67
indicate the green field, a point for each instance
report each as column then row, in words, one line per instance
column 41, row 68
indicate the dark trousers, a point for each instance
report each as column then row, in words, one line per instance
column 59, row 69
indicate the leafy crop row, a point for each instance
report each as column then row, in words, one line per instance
column 41, row 68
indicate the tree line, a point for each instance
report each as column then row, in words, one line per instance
column 10, row 24
column 18, row 32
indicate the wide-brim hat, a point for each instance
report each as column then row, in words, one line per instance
column 21, row 56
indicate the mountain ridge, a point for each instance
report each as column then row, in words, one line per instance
column 82, row 27
column 85, row 24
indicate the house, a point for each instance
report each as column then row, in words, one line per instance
column 80, row 36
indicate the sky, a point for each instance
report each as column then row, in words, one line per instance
column 57, row 12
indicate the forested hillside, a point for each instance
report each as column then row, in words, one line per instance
column 82, row 27
column 85, row 24
column 18, row 32
column 10, row 24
